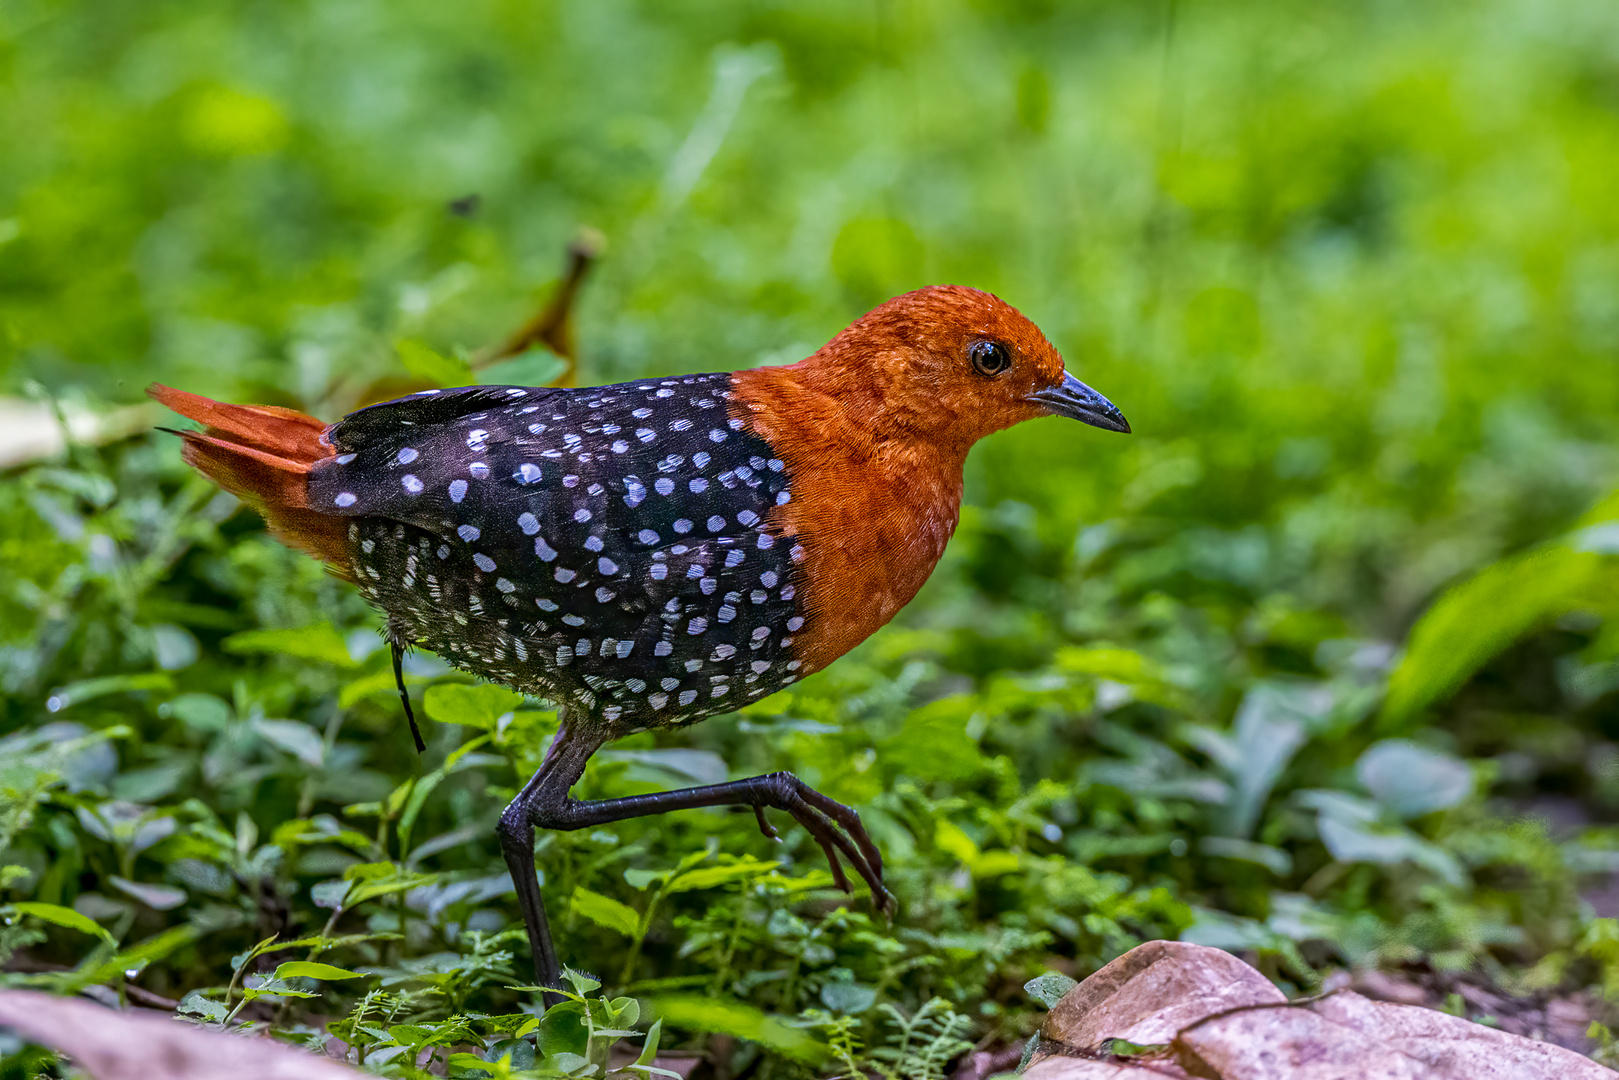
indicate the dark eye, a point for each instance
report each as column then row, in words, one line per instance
column 990, row 358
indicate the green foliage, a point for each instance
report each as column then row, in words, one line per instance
column 1296, row 670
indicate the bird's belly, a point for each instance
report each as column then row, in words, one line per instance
column 629, row 657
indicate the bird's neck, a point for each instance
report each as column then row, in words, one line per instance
column 872, row 504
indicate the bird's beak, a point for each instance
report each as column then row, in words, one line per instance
column 1073, row 399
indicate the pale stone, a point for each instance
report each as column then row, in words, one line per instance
column 148, row 1045
column 1216, row 1018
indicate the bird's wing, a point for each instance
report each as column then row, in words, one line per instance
column 628, row 518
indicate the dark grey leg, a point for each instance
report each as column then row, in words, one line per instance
column 564, row 764
column 544, row 803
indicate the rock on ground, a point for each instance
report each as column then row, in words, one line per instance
column 1206, row 1014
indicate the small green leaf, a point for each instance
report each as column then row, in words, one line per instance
column 571, row 1064
column 848, row 998
column 1048, row 989
column 432, row 366
column 708, row 877
column 625, row 1011
column 370, row 890
column 156, row 897
column 605, row 911
column 201, row 712
column 582, row 984
column 57, row 915
column 640, row 879
column 276, row 987
column 320, row 642
column 649, row 1048
column 195, row 1004
column 538, row 366
column 310, row 969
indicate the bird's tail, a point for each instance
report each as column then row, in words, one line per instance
column 262, row 454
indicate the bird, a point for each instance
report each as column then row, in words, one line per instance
column 654, row 552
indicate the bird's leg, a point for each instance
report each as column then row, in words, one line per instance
column 835, row 827
column 563, row 765
column 544, row 803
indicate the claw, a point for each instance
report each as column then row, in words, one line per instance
column 765, row 826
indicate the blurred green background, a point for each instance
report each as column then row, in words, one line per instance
column 1350, row 270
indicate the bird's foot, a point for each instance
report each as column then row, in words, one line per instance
column 837, row 828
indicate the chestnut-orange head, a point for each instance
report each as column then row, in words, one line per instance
column 949, row 365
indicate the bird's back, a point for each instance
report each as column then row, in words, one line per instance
column 611, row 547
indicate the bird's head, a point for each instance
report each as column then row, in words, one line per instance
column 949, row 364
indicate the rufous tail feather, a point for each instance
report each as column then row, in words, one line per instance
column 262, row 454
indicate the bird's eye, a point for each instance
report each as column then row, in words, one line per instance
column 990, row 358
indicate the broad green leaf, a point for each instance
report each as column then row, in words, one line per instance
column 1488, row 612
column 476, row 705
column 378, row 682
column 150, row 951
column 1274, row 859
column 322, row 829
column 981, row 864
column 1145, row 677
column 89, row 689
column 720, row 1016
column 204, row 712
column 320, row 642
column 934, row 741
column 562, row 1030
column 605, row 911
column 570, row 1064
column 1413, row 780
column 61, row 916
column 297, row 739
column 639, row 878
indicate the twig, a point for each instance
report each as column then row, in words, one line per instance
column 553, row 326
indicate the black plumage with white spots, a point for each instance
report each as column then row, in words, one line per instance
column 605, row 547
